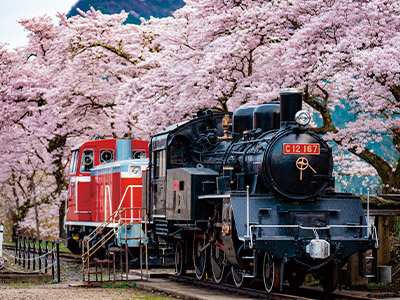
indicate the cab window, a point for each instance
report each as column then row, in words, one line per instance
column 138, row 154
column 178, row 151
column 74, row 162
column 106, row 156
column 159, row 164
column 87, row 161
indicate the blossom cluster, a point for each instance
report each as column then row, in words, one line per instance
column 94, row 76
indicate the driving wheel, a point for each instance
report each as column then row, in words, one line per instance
column 199, row 256
column 180, row 259
column 271, row 273
column 217, row 258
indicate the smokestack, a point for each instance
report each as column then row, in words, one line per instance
column 291, row 103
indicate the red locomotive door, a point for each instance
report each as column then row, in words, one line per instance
column 82, row 186
column 71, row 216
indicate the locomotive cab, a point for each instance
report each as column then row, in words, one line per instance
column 83, row 158
column 176, row 148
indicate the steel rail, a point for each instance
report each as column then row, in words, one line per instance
column 308, row 293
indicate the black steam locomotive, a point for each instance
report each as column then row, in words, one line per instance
column 253, row 197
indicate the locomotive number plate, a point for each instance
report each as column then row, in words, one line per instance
column 311, row 149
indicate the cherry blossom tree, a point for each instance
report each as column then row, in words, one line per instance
column 58, row 91
column 93, row 76
column 347, row 56
column 23, row 180
column 227, row 53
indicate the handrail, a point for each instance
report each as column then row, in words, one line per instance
column 106, row 223
column 104, row 240
column 118, row 220
column 117, row 215
column 123, row 197
column 112, row 216
column 374, row 234
column 90, row 250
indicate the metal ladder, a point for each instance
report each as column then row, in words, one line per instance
column 115, row 223
column 363, row 260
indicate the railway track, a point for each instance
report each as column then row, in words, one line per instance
column 305, row 293
column 286, row 294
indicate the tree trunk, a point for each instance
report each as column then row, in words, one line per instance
column 390, row 177
column 33, row 191
column 59, row 143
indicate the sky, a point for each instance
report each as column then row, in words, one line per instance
column 11, row 11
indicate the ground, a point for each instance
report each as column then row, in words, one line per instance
column 63, row 291
column 71, row 274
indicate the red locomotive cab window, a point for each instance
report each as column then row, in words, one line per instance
column 87, row 161
column 106, row 156
column 74, row 162
column 138, row 154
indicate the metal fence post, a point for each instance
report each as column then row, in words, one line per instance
column 46, row 249
column 58, row 262
column 16, row 250
column 19, row 249
column 52, row 259
column 1, row 239
column 40, row 254
column 29, row 252
column 34, row 254
column 24, row 252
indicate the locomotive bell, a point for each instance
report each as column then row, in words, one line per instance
column 291, row 103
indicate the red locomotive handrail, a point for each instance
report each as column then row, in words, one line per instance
column 111, row 220
column 117, row 215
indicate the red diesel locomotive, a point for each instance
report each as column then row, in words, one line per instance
column 104, row 176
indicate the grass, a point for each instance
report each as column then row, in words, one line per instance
column 119, row 285
column 22, row 284
column 124, row 285
column 382, row 286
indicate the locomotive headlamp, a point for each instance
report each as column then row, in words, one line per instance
column 302, row 117
column 135, row 170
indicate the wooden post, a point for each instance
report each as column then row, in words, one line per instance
column 382, row 224
column 353, row 278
